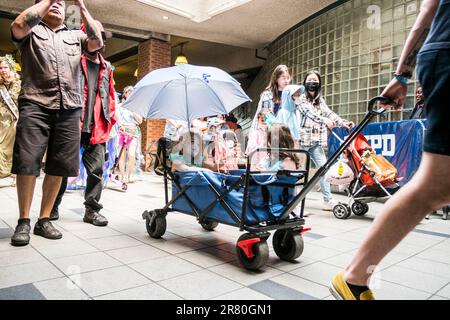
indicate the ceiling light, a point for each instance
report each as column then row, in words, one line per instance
column 165, row 17
column 181, row 59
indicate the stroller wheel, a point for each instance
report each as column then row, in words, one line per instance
column 124, row 186
column 252, row 252
column 156, row 225
column 341, row 211
column 209, row 225
column 359, row 208
column 287, row 244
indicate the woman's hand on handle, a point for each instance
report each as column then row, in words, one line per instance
column 348, row 124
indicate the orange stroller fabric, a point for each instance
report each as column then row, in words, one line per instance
column 362, row 154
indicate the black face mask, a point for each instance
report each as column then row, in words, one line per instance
column 312, row 86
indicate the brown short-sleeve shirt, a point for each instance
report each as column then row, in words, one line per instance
column 51, row 67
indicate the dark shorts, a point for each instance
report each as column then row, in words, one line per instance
column 40, row 129
column 433, row 70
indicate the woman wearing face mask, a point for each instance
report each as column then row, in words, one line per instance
column 315, row 118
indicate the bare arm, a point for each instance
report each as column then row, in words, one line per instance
column 21, row 27
column 417, row 37
column 397, row 91
column 95, row 41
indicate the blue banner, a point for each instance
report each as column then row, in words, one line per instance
column 399, row 142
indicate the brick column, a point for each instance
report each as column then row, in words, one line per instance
column 152, row 54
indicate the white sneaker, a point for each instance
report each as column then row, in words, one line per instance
column 329, row 205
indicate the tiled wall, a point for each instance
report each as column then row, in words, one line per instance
column 355, row 46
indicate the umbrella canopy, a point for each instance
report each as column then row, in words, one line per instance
column 186, row 92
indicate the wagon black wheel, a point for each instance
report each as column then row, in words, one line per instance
column 260, row 252
column 209, row 225
column 341, row 211
column 360, row 208
column 156, row 227
column 289, row 248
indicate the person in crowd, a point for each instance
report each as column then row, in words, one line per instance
column 270, row 101
column 310, row 123
column 419, row 109
column 9, row 113
column 230, row 152
column 97, row 121
column 271, row 96
column 128, row 138
column 211, row 140
column 279, row 137
column 289, row 114
column 257, row 138
column 174, row 129
column 188, row 154
column 315, row 121
column 224, row 125
column 232, row 122
column 50, row 106
column 200, row 125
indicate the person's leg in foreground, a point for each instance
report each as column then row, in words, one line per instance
column 428, row 190
column 33, row 135
column 430, row 187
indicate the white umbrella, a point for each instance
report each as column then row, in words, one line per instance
column 186, row 92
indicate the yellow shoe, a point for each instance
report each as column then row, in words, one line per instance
column 341, row 291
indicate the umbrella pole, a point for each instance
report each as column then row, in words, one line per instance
column 188, row 117
column 217, row 155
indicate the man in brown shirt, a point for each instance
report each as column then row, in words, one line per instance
column 50, row 106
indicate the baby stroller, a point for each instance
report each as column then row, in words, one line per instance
column 375, row 178
column 255, row 202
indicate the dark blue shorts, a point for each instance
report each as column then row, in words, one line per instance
column 433, row 70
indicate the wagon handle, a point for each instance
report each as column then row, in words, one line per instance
column 383, row 100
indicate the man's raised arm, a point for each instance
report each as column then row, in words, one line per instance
column 21, row 27
column 95, row 41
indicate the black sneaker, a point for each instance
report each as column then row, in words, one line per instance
column 21, row 236
column 44, row 228
column 95, row 218
column 54, row 215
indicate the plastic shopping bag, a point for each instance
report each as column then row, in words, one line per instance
column 340, row 173
column 383, row 170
